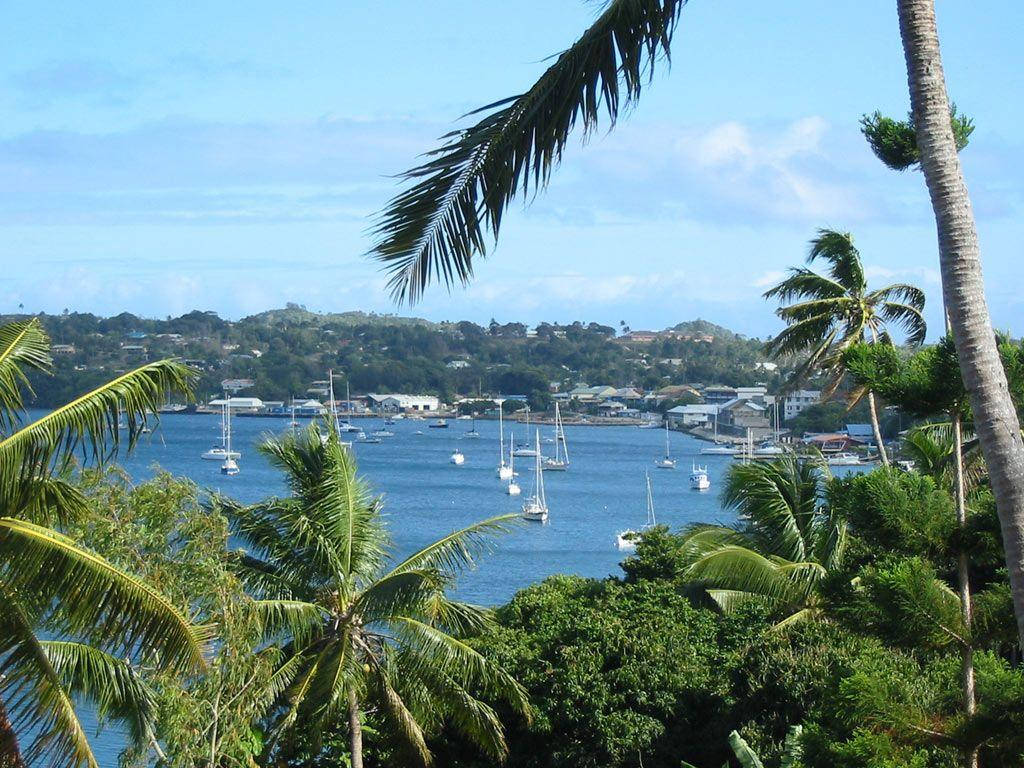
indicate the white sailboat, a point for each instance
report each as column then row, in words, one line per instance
column 667, row 462
column 472, row 433
column 458, row 458
column 560, row 461
column 536, row 507
column 627, row 539
column 221, row 452
column 719, row 449
column 512, row 489
column 525, row 449
column 230, row 466
column 504, row 470
column 699, row 479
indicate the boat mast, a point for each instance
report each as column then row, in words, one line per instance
column 560, row 436
column 227, row 428
column 501, row 436
column 650, row 501
column 666, row 437
column 540, row 475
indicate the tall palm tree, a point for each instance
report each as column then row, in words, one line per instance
column 434, row 230
column 50, row 586
column 785, row 543
column 995, row 417
column 356, row 627
column 835, row 311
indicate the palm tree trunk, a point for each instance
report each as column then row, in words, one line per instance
column 964, row 585
column 877, row 429
column 10, row 752
column 355, row 730
column 963, row 288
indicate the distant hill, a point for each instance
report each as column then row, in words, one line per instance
column 295, row 314
column 698, row 327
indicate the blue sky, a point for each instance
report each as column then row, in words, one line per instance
column 164, row 157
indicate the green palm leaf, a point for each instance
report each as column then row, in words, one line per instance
column 34, row 694
column 460, row 549
column 109, row 683
column 96, row 600
column 433, row 230
column 288, row 618
column 22, row 345
column 91, row 421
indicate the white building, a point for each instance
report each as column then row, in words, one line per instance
column 796, row 402
column 396, row 403
column 239, row 404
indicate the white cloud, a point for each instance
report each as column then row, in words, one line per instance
column 769, row 279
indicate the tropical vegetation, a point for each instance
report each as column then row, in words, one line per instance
column 834, row 311
column 72, row 622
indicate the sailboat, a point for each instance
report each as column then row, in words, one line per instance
column 668, row 462
column 230, row 466
column 525, row 449
column 719, row 449
column 294, row 422
column 458, row 458
column 560, row 461
column 536, row 507
column 221, row 452
column 513, row 488
column 627, row 539
column 472, row 433
column 504, row 471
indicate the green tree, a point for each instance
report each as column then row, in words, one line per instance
column 356, row 628
column 51, row 587
column 834, row 311
column 785, row 544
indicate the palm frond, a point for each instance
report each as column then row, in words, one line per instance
column 96, row 600
column 429, row 647
column 33, row 692
column 908, row 317
column 23, row 345
column 805, row 283
column 402, row 719
column 332, row 516
column 779, row 502
column 294, row 619
column 741, row 569
column 408, row 592
column 433, row 230
column 460, row 549
column 111, row 684
column 91, row 421
column 843, row 258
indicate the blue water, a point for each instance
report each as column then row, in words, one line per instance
column 426, row 497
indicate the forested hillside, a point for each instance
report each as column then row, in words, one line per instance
column 284, row 350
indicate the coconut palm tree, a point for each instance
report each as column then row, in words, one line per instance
column 357, row 628
column 995, row 418
column 835, row 311
column 50, row 587
column 785, row 543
